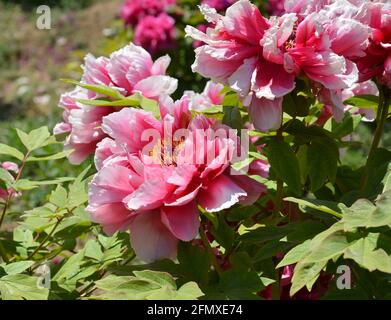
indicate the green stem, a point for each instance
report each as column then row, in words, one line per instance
column 382, row 114
column 276, row 292
column 209, row 249
column 9, row 197
column 90, row 288
column 48, row 236
column 381, row 118
column 279, row 194
column 280, row 183
column 3, row 253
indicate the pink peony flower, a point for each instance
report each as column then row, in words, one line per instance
column 209, row 97
column 376, row 63
column 128, row 70
column 260, row 58
column 155, row 33
column 335, row 107
column 152, row 190
column 12, row 167
column 203, row 28
column 275, row 7
column 133, row 11
column 367, row 87
column 219, row 5
column 304, row 7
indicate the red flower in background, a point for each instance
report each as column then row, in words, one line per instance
column 377, row 61
column 132, row 11
column 155, row 33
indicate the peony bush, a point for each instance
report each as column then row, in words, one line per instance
column 227, row 183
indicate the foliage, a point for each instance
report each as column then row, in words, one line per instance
column 327, row 203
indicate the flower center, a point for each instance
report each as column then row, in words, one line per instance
column 166, row 152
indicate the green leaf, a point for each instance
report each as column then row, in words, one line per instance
column 297, row 103
column 387, row 183
column 146, row 285
column 270, row 249
column 24, row 237
column 10, row 151
column 149, row 105
column 327, row 248
column 242, row 213
column 24, row 184
column 194, row 262
column 366, row 101
column 56, row 156
column 127, row 102
column 6, row 177
column 66, row 277
column 267, row 233
column 159, row 278
column 365, row 214
column 212, row 110
column 364, row 252
column 93, row 250
column 284, row 163
column 240, row 165
column 295, row 254
column 230, row 100
column 312, row 256
column 135, row 100
column 107, row 91
column 305, row 274
column 21, row 286
column 347, row 126
column 322, row 160
column 35, row 139
column 377, row 167
column 17, row 267
column 41, row 212
column 324, row 206
column 232, row 117
column 238, row 284
column 59, row 197
column 112, row 281
column 189, row 291
column 223, row 233
column 77, row 190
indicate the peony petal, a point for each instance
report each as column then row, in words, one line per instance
column 160, row 65
column 253, row 188
column 266, row 114
column 111, row 184
column 149, row 195
column 210, row 66
column 80, row 151
column 150, row 238
column 127, row 126
column 95, row 70
column 244, row 21
column 272, row 80
column 240, row 80
column 113, row 217
column 129, row 65
column 156, row 86
column 348, row 37
column 221, row 194
column 182, row 221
